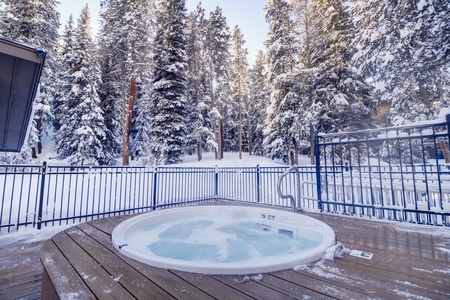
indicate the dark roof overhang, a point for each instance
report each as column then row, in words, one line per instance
column 20, row 71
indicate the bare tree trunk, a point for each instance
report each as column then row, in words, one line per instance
column 249, row 135
column 311, row 151
column 33, row 152
column 240, row 124
column 292, row 156
column 445, row 151
column 199, row 150
column 221, row 138
column 127, row 120
column 216, row 136
column 39, row 130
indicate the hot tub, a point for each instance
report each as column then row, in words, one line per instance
column 223, row 239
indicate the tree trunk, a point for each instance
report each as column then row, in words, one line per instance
column 445, row 151
column 199, row 150
column 33, row 152
column 127, row 121
column 39, row 130
column 221, row 138
column 240, row 125
column 311, row 151
column 216, row 136
column 292, row 158
column 249, row 135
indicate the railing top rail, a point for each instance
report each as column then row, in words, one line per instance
column 419, row 125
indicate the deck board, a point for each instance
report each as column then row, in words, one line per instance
column 408, row 262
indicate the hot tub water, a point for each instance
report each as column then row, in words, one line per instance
column 223, row 239
column 207, row 240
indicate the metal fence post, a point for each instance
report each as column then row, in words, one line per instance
column 318, row 179
column 216, row 183
column 258, row 183
column 155, row 184
column 447, row 118
column 41, row 195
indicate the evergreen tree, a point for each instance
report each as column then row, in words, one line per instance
column 124, row 47
column 66, row 95
column 36, row 22
column 67, row 61
column 308, row 26
column 80, row 136
column 140, row 129
column 199, row 126
column 282, row 129
column 141, row 124
column 218, row 59
column 258, row 101
column 403, row 46
column 168, row 101
column 238, row 78
column 340, row 99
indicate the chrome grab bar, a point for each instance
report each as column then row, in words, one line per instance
column 293, row 202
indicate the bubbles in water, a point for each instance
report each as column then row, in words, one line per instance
column 208, row 240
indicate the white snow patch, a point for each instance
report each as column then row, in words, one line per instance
column 31, row 235
column 442, row 271
column 70, row 296
column 445, row 250
column 407, row 283
column 231, row 159
column 248, row 278
column 300, row 268
column 423, row 270
column 408, row 295
column 422, row 4
column 257, row 277
column 334, row 251
column 116, row 279
column 88, row 277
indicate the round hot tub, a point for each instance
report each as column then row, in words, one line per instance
column 223, row 239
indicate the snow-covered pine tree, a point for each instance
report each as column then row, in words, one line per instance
column 199, row 126
column 340, row 93
column 282, row 130
column 218, row 59
column 66, row 94
column 124, row 48
column 168, row 99
column 80, row 137
column 403, row 46
column 36, row 23
column 141, row 124
column 238, row 79
column 140, row 137
column 307, row 29
column 258, row 102
column 66, row 62
column 3, row 23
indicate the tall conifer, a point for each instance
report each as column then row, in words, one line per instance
column 168, row 99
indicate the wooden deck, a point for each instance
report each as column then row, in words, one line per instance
column 409, row 262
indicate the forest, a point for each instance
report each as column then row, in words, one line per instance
column 158, row 82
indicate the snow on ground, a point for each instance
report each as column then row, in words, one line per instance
column 31, row 235
column 231, row 159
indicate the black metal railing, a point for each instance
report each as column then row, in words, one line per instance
column 396, row 173
column 58, row 195
column 392, row 173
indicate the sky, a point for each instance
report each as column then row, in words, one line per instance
column 247, row 14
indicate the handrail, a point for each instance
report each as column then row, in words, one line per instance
column 293, row 202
